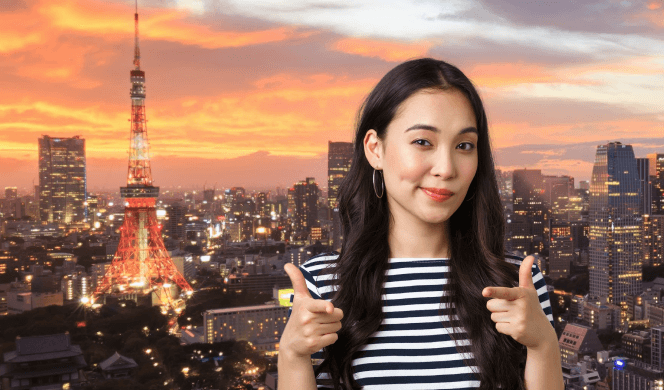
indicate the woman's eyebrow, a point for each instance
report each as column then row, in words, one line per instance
column 437, row 130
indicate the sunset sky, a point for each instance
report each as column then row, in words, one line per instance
column 248, row 93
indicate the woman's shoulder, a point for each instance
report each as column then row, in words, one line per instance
column 317, row 262
column 517, row 259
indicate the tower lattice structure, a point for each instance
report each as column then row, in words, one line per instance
column 141, row 264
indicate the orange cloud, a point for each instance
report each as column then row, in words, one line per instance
column 385, row 50
column 501, row 74
column 654, row 15
column 168, row 25
column 506, row 134
column 288, row 115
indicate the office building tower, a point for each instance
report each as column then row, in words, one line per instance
column 305, row 201
column 615, row 224
column 208, row 195
column 261, row 204
column 175, row 221
column 504, row 179
column 526, row 223
column 652, row 240
column 657, row 177
column 11, row 193
column 234, row 200
column 645, row 183
column 657, row 350
column 62, row 179
column 339, row 158
column 92, row 209
column 561, row 250
column 557, row 191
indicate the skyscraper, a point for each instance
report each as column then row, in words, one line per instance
column 339, row 158
column 526, row 223
column 11, row 193
column 652, row 240
column 62, row 179
column 305, row 198
column 615, row 224
column 645, row 182
column 561, row 250
column 557, row 190
column 657, row 178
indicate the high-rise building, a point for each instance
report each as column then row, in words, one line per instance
column 557, row 191
column 339, row 158
column 305, row 198
column 657, row 351
column 657, row 177
column 12, row 205
column 526, row 223
column 504, row 179
column 11, row 193
column 208, row 195
column 645, row 182
column 652, row 240
column 261, row 204
column 175, row 221
column 561, row 251
column 62, row 179
column 615, row 224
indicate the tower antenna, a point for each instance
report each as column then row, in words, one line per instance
column 137, row 51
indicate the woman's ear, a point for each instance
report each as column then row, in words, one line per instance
column 373, row 149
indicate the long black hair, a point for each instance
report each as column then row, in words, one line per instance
column 476, row 247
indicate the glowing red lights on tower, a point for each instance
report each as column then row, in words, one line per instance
column 142, row 264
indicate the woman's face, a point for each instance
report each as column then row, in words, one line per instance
column 431, row 143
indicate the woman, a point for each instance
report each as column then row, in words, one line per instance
column 422, row 225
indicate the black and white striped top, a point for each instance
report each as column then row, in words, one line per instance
column 412, row 348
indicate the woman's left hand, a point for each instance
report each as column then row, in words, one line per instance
column 517, row 311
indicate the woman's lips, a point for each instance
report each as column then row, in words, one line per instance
column 437, row 196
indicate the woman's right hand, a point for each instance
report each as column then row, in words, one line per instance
column 312, row 324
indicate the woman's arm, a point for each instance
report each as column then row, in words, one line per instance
column 543, row 367
column 295, row 372
column 312, row 325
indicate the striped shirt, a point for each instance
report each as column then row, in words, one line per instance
column 412, row 348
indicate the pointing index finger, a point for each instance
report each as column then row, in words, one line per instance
column 501, row 293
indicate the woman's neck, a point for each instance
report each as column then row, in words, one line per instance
column 418, row 240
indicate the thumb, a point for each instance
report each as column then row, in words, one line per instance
column 297, row 279
column 526, row 272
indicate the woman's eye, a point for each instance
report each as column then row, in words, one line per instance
column 423, row 140
column 470, row 145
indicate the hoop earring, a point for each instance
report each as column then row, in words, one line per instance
column 471, row 197
column 374, row 185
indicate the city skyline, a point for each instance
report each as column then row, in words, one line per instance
column 249, row 96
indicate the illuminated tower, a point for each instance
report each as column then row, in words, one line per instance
column 141, row 264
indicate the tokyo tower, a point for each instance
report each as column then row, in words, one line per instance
column 142, row 264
